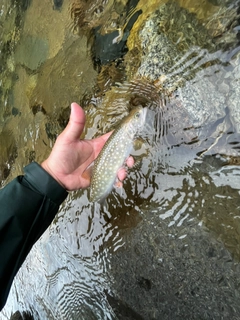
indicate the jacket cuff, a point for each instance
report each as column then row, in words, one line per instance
column 44, row 183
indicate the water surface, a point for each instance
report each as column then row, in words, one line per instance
column 167, row 244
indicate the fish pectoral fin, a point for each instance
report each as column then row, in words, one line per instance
column 138, row 144
column 140, row 148
column 138, row 156
column 87, row 173
column 118, row 184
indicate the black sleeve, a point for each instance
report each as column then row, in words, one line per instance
column 28, row 205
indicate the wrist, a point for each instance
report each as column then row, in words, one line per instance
column 36, row 177
column 47, row 168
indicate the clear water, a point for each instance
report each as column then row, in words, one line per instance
column 166, row 246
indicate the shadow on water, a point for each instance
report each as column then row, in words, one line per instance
column 166, row 246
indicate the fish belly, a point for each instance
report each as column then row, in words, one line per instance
column 105, row 170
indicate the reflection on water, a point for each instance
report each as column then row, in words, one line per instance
column 167, row 244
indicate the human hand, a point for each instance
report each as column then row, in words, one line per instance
column 70, row 156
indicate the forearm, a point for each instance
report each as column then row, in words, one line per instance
column 28, row 205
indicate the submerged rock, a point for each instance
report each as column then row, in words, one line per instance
column 31, row 52
column 175, row 52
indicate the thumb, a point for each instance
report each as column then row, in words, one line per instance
column 76, row 123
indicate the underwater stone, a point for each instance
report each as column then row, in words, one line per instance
column 31, row 52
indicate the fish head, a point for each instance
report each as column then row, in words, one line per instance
column 136, row 120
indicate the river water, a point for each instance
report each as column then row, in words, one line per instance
column 167, row 245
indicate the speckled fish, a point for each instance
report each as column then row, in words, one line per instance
column 114, row 153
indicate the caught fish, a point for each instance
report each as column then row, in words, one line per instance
column 114, row 153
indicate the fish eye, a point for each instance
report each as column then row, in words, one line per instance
column 137, row 115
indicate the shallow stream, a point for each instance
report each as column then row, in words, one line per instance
column 167, row 245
